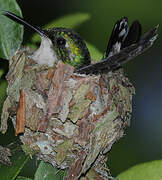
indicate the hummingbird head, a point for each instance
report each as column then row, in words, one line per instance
column 68, row 46
column 57, row 44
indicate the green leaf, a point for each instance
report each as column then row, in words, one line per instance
column 46, row 171
column 11, row 33
column 146, row 171
column 18, row 161
column 96, row 55
column 22, row 178
column 68, row 21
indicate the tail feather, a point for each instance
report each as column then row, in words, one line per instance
column 113, row 62
column 117, row 37
column 133, row 35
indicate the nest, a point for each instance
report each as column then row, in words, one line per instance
column 69, row 120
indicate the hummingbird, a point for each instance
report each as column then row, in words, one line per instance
column 64, row 44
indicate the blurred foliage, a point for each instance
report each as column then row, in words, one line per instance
column 3, row 86
column 146, row 171
column 22, row 178
column 68, row 21
column 1, row 72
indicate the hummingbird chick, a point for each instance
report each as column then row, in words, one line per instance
column 64, row 44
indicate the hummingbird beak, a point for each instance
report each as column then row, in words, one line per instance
column 19, row 20
column 45, row 54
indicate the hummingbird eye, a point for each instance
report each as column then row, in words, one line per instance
column 61, row 41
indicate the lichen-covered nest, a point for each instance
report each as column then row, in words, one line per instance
column 70, row 120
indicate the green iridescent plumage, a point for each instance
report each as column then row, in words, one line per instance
column 73, row 51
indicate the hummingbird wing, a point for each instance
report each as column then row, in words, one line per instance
column 113, row 62
column 20, row 20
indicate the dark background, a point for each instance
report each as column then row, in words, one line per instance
column 143, row 140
